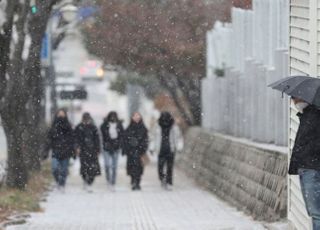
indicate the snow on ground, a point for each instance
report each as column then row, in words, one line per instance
column 187, row 207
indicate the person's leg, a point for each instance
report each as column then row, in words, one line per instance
column 84, row 178
column 161, row 163
column 90, row 179
column 310, row 186
column 59, row 172
column 64, row 164
column 107, row 164
column 138, row 183
column 114, row 166
column 134, row 182
column 170, row 164
column 55, row 169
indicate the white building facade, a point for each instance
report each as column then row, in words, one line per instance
column 304, row 60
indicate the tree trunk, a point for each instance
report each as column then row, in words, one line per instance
column 20, row 87
column 191, row 89
column 37, row 27
column 17, row 173
column 178, row 92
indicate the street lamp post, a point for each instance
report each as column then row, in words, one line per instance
column 69, row 13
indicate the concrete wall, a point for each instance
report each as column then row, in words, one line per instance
column 248, row 176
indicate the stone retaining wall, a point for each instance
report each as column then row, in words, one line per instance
column 249, row 177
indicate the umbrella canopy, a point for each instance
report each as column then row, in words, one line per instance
column 303, row 87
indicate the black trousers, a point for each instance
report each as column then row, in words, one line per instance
column 167, row 161
column 135, row 180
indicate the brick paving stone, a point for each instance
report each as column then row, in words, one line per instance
column 187, row 207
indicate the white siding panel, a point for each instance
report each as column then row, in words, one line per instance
column 300, row 55
column 299, row 33
column 299, row 66
column 299, row 11
column 299, row 22
column 303, row 3
column 299, row 43
column 302, row 30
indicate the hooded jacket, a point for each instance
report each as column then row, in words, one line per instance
column 166, row 128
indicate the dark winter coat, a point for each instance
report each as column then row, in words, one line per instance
column 166, row 123
column 61, row 139
column 135, row 144
column 306, row 150
column 110, row 144
column 87, row 138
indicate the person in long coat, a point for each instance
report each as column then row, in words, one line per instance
column 88, row 142
column 166, row 141
column 135, row 146
column 305, row 159
column 112, row 132
column 60, row 140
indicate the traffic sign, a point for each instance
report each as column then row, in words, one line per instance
column 45, row 50
column 79, row 94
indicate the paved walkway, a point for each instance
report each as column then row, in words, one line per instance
column 187, row 207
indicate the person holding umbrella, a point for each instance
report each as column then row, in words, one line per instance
column 305, row 159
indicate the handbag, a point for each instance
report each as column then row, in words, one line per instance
column 145, row 160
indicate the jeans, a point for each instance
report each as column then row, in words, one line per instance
column 310, row 186
column 111, row 162
column 168, row 161
column 60, row 170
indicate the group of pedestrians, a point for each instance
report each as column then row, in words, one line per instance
column 134, row 142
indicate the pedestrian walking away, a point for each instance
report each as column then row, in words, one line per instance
column 88, row 148
column 112, row 131
column 135, row 146
column 166, row 141
column 61, row 141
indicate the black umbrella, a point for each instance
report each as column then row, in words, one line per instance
column 303, row 87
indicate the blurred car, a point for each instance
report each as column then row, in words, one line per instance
column 66, row 81
column 92, row 70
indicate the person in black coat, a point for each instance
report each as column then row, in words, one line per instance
column 87, row 139
column 60, row 140
column 135, row 146
column 112, row 131
column 305, row 159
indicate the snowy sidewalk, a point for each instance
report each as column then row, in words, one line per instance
column 187, row 207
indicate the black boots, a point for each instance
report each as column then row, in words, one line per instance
column 136, row 184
